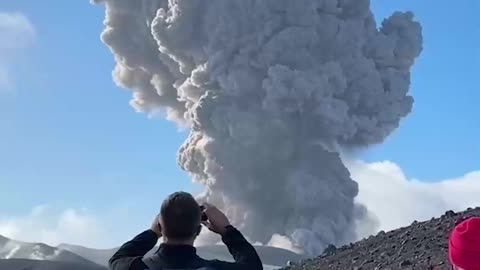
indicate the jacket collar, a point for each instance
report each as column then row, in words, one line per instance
column 183, row 252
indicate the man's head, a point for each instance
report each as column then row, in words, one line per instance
column 180, row 217
column 464, row 245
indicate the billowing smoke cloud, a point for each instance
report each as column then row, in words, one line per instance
column 272, row 91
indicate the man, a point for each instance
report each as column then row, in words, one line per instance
column 464, row 245
column 179, row 223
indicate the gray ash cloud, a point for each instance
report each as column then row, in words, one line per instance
column 272, row 92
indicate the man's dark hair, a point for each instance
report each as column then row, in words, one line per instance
column 181, row 216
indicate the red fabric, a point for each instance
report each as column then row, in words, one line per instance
column 464, row 245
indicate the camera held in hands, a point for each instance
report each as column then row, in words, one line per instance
column 204, row 216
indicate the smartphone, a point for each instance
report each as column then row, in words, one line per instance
column 204, row 216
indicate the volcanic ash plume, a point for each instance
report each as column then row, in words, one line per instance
column 272, row 91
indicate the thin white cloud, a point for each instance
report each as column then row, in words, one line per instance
column 45, row 225
column 17, row 33
column 397, row 201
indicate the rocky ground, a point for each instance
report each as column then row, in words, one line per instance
column 423, row 245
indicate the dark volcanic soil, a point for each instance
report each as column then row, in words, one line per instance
column 422, row 245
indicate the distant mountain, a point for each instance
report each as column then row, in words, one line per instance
column 98, row 256
column 269, row 255
column 32, row 256
column 24, row 264
column 12, row 249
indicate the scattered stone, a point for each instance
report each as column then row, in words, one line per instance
column 367, row 261
column 330, row 250
column 450, row 213
column 405, row 263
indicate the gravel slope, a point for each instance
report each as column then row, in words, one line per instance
column 422, row 245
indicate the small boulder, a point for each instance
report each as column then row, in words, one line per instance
column 330, row 250
column 450, row 213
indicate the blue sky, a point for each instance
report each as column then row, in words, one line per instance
column 69, row 138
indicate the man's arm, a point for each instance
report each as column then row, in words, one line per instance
column 130, row 254
column 244, row 254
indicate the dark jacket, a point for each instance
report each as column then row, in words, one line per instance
column 130, row 255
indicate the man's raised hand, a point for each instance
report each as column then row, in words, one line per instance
column 156, row 226
column 217, row 221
